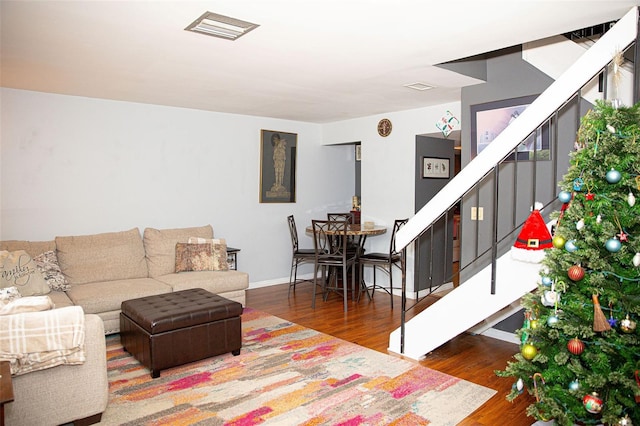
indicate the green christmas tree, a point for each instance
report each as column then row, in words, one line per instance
column 580, row 351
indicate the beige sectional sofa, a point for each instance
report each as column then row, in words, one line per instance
column 66, row 393
column 103, row 270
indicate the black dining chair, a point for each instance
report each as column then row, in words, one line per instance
column 383, row 262
column 352, row 244
column 341, row 217
column 330, row 244
column 298, row 255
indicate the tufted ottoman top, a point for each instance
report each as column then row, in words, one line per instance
column 185, row 308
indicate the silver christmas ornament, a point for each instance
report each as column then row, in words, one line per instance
column 613, row 176
column 625, row 421
column 549, row 298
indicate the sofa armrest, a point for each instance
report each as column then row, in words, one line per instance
column 67, row 392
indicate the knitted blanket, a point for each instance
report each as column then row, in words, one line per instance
column 37, row 340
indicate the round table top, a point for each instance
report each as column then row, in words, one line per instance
column 358, row 229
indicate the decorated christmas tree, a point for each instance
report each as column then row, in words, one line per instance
column 580, row 347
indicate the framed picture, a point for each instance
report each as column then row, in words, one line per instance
column 435, row 168
column 278, row 166
column 488, row 120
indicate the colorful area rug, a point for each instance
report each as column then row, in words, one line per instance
column 287, row 374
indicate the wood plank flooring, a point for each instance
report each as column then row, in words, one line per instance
column 368, row 323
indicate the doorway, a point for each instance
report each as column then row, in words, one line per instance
column 438, row 250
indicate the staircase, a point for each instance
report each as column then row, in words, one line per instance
column 494, row 279
column 564, row 53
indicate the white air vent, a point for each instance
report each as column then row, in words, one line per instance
column 220, row 26
column 418, row 86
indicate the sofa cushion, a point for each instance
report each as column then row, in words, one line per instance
column 17, row 269
column 214, row 281
column 102, row 257
column 34, row 248
column 60, row 299
column 160, row 246
column 106, row 296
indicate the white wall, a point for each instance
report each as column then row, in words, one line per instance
column 72, row 166
column 388, row 166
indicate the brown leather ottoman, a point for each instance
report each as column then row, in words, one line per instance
column 176, row 328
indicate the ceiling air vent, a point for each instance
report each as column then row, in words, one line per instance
column 220, row 26
column 418, row 86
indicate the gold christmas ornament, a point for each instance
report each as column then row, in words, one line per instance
column 528, row 351
column 627, row 325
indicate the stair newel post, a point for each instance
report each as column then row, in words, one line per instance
column 494, row 243
column 636, row 65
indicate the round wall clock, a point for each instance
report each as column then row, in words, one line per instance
column 384, row 127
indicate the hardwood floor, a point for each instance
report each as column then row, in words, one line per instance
column 368, row 323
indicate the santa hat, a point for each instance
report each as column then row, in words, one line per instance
column 533, row 239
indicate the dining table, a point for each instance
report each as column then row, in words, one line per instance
column 361, row 232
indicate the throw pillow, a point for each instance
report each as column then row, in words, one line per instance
column 48, row 266
column 193, row 257
column 160, row 246
column 17, row 269
column 218, row 249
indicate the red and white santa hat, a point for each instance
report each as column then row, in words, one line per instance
column 533, row 239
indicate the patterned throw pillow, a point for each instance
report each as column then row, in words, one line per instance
column 218, row 249
column 193, row 257
column 17, row 269
column 48, row 266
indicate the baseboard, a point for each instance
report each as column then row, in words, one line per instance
column 494, row 319
column 309, row 276
column 501, row 335
column 276, row 281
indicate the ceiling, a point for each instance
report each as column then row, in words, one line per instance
column 313, row 60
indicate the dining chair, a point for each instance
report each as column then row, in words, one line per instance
column 331, row 253
column 298, row 255
column 383, row 262
column 341, row 217
column 352, row 244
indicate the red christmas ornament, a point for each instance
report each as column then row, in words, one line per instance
column 576, row 273
column 575, row 346
column 592, row 403
column 589, row 196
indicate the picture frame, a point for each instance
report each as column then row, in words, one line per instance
column 489, row 119
column 278, row 166
column 436, row 168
